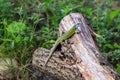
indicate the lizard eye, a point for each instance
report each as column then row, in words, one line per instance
column 77, row 25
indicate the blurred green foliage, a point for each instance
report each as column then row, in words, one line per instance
column 28, row 24
column 118, row 69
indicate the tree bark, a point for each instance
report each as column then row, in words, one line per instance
column 78, row 58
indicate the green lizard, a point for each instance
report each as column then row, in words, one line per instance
column 65, row 36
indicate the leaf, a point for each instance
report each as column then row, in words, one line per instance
column 48, row 43
column 118, row 69
column 116, row 45
column 18, row 39
column 112, row 16
column 109, row 46
column 12, row 44
column 16, row 27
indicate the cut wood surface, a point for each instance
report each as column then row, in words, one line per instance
column 78, row 58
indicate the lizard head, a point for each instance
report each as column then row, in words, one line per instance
column 78, row 25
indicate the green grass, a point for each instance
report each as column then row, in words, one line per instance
column 28, row 24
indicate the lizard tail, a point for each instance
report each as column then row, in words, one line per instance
column 52, row 50
column 47, row 59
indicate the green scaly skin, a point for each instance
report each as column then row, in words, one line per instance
column 64, row 37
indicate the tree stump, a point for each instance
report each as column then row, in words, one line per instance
column 77, row 58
